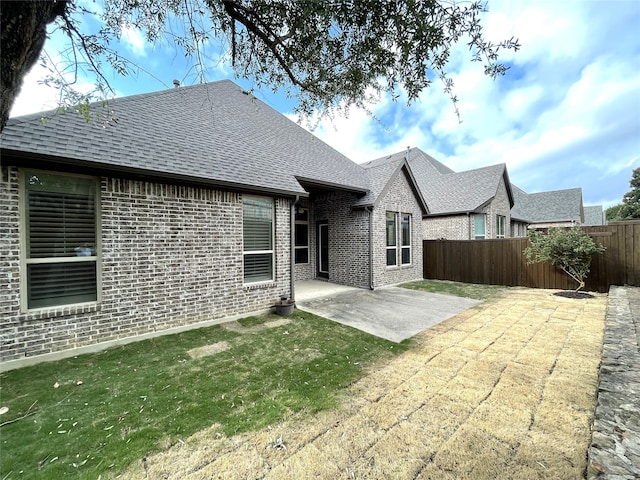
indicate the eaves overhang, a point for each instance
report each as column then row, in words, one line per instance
column 311, row 183
column 49, row 162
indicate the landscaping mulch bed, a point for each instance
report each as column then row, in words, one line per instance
column 574, row 295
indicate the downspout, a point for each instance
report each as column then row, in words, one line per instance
column 370, row 210
column 292, row 253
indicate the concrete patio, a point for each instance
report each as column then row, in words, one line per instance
column 392, row 313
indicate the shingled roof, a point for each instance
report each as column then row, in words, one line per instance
column 594, row 216
column 382, row 175
column 548, row 207
column 447, row 192
column 208, row 134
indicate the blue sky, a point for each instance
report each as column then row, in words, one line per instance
column 567, row 114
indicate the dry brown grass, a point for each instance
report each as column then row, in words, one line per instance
column 504, row 390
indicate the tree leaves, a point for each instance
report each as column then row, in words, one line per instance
column 329, row 55
column 570, row 249
column 630, row 208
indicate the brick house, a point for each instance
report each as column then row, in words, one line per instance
column 474, row 204
column 180, row 208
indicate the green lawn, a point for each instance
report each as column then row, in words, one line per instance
column 95, row 414
column 468, row 290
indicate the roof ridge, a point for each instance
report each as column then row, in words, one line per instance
column 125, row 98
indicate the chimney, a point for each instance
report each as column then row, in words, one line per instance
column 176, row 83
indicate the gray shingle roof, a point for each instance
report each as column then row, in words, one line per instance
column 211, row 134
column 545, row 207
column 382, row 174
column 594, row 215
column 446, row 191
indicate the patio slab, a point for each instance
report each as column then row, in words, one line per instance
column 392, row 313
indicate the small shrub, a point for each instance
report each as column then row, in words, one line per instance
column 570, row 249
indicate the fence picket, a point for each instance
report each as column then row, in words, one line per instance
column 501, row 262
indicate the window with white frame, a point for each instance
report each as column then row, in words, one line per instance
column 61, row 244
column 480, row 230
column 392, row 242
column 500, row 222
column 405, row 229
column 301, row 253
column 257, row 236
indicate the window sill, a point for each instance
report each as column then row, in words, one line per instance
column 399, row 267
column 259, row 285
column 61, row 311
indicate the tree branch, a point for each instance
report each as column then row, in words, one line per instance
column 29, row 413
column 235, row 11
column 71, row 29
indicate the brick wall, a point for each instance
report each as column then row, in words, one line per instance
column 499, row 206
column 400, row 199
column 348, row 238
column 462, row 227
column 452, row 227
column 171, row 256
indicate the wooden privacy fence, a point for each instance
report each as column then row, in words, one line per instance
column 501, row 262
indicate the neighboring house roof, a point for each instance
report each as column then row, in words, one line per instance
column 447, row 192
column 548, row 207
column 210, row 134
column 594, row 215
column 519, row 200
column 382, row 175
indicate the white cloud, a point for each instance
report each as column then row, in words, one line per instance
column 40, row 97
column 134, row 40
column 35, row 96
column 565, row 115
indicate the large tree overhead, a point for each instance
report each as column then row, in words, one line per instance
column 24, row 30
column 326, row 54
column 630, row 208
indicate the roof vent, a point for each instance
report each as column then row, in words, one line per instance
column 176, row 83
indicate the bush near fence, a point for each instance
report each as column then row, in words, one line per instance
column 501, row 262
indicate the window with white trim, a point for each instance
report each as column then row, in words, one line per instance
column 405, row 231
column 257, row 237
column 301, row 239
column 480, row 230
column 61, row 244
column 500, row 222
column 392, row 243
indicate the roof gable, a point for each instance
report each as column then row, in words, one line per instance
column 212, row 133
column 383, row 174
column 446, row 191
column 552, row 206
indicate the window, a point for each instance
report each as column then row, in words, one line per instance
column 480, row 226
column 257, row 235
column 405, row 258
column 392, row 244
column 302, row 235
column 61, row 241
column 500, row 221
